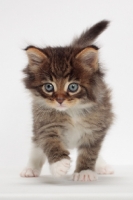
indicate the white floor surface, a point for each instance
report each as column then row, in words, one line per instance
column 108, row 187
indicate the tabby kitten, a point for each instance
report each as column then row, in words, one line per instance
column 71, row 106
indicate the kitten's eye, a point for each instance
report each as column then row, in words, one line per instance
column 73, row 87
column 49, row 87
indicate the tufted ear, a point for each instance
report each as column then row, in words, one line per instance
column 36, row 57
column 88, row 58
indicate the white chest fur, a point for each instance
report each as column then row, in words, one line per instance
column 76, row 132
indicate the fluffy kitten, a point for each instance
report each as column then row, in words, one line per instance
column 71, row 106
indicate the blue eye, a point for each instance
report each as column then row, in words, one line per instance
column 73, row 87
column 49, row 87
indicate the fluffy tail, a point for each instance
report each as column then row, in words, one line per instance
column 88, row 37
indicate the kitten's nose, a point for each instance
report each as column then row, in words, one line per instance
column 60, row 99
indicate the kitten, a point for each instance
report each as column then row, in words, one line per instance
column 71, row 106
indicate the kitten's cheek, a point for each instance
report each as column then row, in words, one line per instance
column 72, row 103
column 50, row 104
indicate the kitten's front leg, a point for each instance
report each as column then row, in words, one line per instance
column 85, row 163
column 35, row 163
column 57, row 155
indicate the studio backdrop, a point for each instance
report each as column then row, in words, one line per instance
column 56, row 23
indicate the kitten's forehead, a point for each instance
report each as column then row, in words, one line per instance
column 62, row 66
column 60, row 62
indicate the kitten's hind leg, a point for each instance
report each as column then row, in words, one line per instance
column 101, row 167
column 35, row 163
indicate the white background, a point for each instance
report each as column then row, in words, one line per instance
column 56, row 22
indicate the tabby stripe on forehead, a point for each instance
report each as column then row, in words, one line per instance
column 53, row 75
column 67, row 75
column 51, row 78
column 64, row 75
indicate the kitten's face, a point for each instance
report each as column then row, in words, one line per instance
column 61, row 93
column 66, row 77
column 62, row 77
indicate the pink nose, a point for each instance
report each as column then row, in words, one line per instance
column 60, row 99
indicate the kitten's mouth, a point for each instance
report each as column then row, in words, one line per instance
column 61, row 107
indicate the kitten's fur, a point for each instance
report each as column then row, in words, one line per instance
column 61, row 119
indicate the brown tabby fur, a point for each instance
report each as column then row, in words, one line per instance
column 50, row 126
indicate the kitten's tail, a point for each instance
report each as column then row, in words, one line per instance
column 88, row 37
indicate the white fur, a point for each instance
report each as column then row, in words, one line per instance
column 61, row 107
column 85, row 175
column 29, row 172
column 60, row 168
column 35, row 163
column 76, row 130
column 101, row 167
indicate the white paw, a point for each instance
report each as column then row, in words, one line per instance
column 60, row 168
column 107, row 169
column 85, row 175
column 28, row 172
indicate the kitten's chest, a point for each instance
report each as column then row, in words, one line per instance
column 77, row 132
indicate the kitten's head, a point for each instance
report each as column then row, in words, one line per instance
column 66, row 77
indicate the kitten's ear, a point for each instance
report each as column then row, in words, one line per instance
column 35, row 56
column 88, row 58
